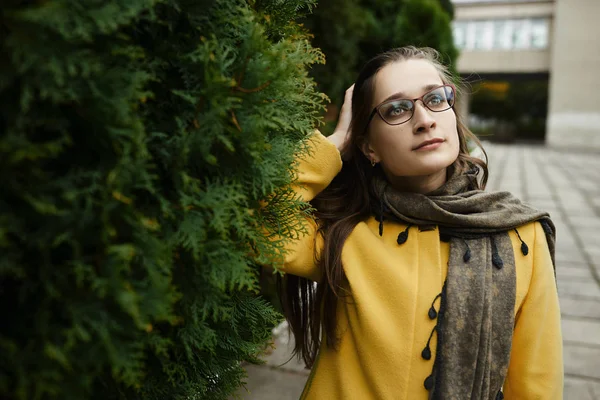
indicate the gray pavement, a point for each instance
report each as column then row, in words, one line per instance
column 565, row 183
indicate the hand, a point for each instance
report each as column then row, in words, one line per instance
column 341, row 133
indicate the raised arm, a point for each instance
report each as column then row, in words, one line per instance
column 315, row 173
column 316, row 170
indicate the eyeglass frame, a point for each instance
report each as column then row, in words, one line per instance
column 414, row 101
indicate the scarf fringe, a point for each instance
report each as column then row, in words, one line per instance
column 446, row 235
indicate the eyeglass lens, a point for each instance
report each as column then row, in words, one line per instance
column 401, row 110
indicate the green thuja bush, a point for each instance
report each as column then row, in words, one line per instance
column 350, row 32
column 146, row 146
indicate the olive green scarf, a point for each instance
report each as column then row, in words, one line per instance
column 475, row 318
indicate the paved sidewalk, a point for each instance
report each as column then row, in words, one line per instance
column 567, row 185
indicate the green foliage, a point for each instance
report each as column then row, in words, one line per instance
column 338, row 27
column 425, row 23
column 137, row 140
column 448, row 7
column 353, row 31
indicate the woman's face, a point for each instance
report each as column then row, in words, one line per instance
column 396, row 147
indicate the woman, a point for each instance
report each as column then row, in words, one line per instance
column 428, row 287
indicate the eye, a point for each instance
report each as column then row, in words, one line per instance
column 397, row 109
column 435, row 99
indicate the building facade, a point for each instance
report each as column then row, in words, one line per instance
column 559, row 39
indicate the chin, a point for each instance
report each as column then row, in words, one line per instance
column 433, row 170
column 432, row 166
column 422, row 164
column 421, row 170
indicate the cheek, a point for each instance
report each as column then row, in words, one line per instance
column 450, row 126
column 391, row 139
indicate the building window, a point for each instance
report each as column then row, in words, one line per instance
column 539, row 33
column 522, row 34
column 502, row 35
column 509, row 34
column 484, row 39
column 459, row 31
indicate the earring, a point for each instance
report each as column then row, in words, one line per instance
column 373, row 163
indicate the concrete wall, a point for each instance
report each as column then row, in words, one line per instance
column 574, row 111
column 521, row 61
column 517, row 9
column 513, row 61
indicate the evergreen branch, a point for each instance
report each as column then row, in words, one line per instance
column 256, row 89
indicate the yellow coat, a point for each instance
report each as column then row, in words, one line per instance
column 384, row 325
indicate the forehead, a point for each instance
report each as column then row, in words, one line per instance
column 408, row 77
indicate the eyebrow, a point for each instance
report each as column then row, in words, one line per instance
column 400, row 95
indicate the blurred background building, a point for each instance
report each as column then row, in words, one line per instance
column 534, row 66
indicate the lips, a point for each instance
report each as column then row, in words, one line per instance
column 428, row 142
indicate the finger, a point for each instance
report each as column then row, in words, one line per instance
column 350, row 90
column 348, row 96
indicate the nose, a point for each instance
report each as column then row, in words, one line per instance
column 423, row 120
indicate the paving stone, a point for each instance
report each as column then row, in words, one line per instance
column 569, row 257
column 595, row 390
column 545, row 203
column 593, row 254
column 587, row 289
column 573, row 264
column 581, row 331
column 578, row 273
column 565, row 239
column 274, row 381
column 596, row 265
column 558, row 180
column 266, row 383
column 579, row 389
column 280, row 357
column 577, row 307
column 580, row 209
column 571, row 197
column 590, row 187
column 589, row 238
column 592, row 224
column 541, row 194
column 567, row 243
column 581, row 360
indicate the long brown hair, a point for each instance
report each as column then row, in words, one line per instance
column 312, row 307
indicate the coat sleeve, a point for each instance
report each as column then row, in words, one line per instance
column 316, row 170
column 535, row 370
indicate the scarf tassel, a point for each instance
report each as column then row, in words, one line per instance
column 467, row 255
column 380, row 216
column 426, row 353
column 496, row 259
column 429, row 382
column 432, row 314
column 403, row 236
column 524, row 247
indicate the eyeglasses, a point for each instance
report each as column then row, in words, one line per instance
column 399, row 111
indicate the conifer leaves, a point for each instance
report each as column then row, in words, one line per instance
column 139, row 143
column 83, row 20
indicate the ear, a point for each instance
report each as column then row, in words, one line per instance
column 369, row 151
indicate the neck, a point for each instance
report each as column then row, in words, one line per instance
column 417, row 184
